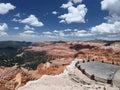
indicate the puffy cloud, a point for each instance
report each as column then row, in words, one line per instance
column 16, row 20
column 61, row 34
column 76, row 1
column 3, row 27
column 54, row 12
column 55, row 31
column 111, row 37
column 17, row 15
column 3, row 33
column 47, row 33
column 67, row 33
column 28, row 28
column 75, row 14
column 81, row 33
column 67, row 30
column 69, row 4
column 6, row 7
column 28, row 33
column 33, row 21
column 16, row 28
column 111, row 29
column 56, row 34
column 113, row 6
column 106, row 28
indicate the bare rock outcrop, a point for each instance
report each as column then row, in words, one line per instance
column 13, row 77
column 70, row 79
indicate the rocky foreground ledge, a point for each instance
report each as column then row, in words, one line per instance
column 70, row 79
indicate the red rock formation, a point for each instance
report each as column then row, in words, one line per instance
column 59, row 55
column 105, row 55
column 84, row 50
column 13, row 77
column 49, row 69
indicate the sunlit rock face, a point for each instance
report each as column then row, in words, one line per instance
column 13, row 77
column 70, row 79
column 6, row 75
column 116, row 79
column 50, row 69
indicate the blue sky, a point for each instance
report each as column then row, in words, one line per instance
column 48, row 20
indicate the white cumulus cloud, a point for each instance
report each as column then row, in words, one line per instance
column 69, row 4
column 76, row 1
column 33, row 21
column 113, row 6
column 28, row 33
column 54, row 12
column 106, row 28
column 16, row 20
column 81, row 33
column 6, row 7
column 55, row 31
column 47, row 33
column 67, row 30
column 3, row 27
column 16, row 28
column 17, row 15
column 75, row 14
column 109, row 30
column 28, row 28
